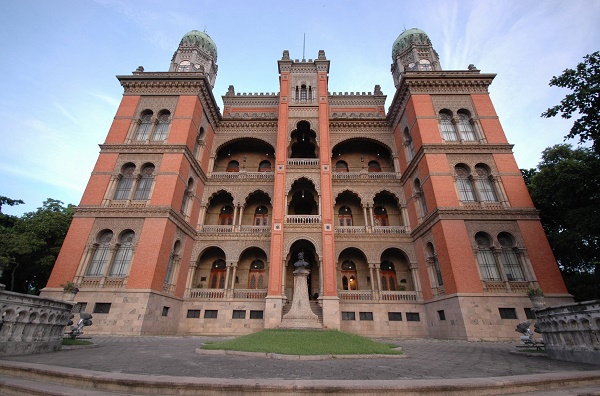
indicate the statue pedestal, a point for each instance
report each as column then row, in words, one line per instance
column 300, row 315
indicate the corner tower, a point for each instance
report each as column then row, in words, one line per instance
column 196, row 53
column 412, row 51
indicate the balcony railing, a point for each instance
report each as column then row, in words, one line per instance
column 399, row 295
column 303, row 161
column 250, row 294
column 355, row 295
column 364, row 175
column 256, row 229
column 242, row 175
column 217, row 228
column 390, row 230
column 238, row 294
column 207, row 293
column 350, row 230
column 303, row 219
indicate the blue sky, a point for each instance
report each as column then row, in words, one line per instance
column 59, row 91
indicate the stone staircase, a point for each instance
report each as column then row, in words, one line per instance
column 314, row 306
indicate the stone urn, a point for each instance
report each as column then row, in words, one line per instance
column 537, row 298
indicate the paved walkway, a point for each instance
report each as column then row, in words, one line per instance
column 427, row 359
column 430, row 366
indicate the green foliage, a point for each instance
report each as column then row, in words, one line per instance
column 30, row 244
column 584, row 99
column 535, row 292
column 305, row 342
column 566, row 190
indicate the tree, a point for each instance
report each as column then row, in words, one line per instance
column 566, row 189
column 584, row 100
column 30, row 245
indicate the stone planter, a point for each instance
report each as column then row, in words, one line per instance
column 538, row 301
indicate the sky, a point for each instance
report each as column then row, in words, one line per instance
column 59, row 93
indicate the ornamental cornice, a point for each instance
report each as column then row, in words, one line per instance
column 251, row 115
column 371, row 124
column 437, row 82
column 172, row 83
column 356, row 100
column 271, row 100
column 156, row 149
column 353, row 115
column 263, row 126
column 484, row 215
column 85, row 211
column 450, row 148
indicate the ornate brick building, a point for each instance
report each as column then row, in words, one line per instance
column 415, row 222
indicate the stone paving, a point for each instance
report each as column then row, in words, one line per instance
column 427, row 359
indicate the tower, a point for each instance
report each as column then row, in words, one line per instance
column 415, row 222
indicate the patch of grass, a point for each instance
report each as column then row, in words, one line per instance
column 71, row 341
column 305, row 342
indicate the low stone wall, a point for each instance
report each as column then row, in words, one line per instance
column 31, row 324
column 571, row 332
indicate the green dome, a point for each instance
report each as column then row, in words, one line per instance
column 408, row 37
column 202, row 40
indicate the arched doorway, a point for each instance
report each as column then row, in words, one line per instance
column 311, row 257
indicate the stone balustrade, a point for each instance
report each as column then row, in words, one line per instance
column 31, row 324
column 571, row 332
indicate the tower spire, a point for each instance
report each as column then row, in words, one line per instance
column 303, row 46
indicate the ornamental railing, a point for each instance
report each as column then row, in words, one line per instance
column 207, row 293
column 303, row 219
column 31, row 324
column 355, row 295
column 303, row 161
column 390, row 230
column 256, row 229
column 350, row 230
column 242, row 175
column 399, row 295
column 364, row 175
column 250, row 294
column 217, row 228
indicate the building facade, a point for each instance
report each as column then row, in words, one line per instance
column 415, row 222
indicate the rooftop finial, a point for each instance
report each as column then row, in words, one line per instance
column 303, row 46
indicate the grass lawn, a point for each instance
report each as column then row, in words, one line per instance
column 71, row 341
column 305, row 342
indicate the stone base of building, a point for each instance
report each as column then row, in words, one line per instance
column 471, row 317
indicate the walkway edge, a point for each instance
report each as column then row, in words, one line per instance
column 280, row 356
column 171, row 385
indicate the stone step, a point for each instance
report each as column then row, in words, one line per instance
column 14, row 386
column 314, row 306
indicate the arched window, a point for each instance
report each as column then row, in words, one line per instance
column 261, row 216
column 420, row 197
column 374, row 166
column 187, row 196
column 256, row 275
column 310, row 93
column 466, row 191
column 388, row 276
column 144, row 185
column 409, row 146
column 123, row 255
column 341, row 166
column 100, row 258
column 435, row 266
column 381, row 216
column 349, row 278
column 485, row 258
column 233, row 166
column 171, row 264
column 145, row 126
column 485, row 184
column 303, row 92
column 125, row 183
column 217, row 274
column 162, row 127
column 447, row 126
column 465, row 127
column 509, row 258
column 264, row 166
column 184, row 66
column 226, row 215
column 198, row 140
column 345, row 216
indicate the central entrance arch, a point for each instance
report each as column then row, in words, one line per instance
column 311, row 257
